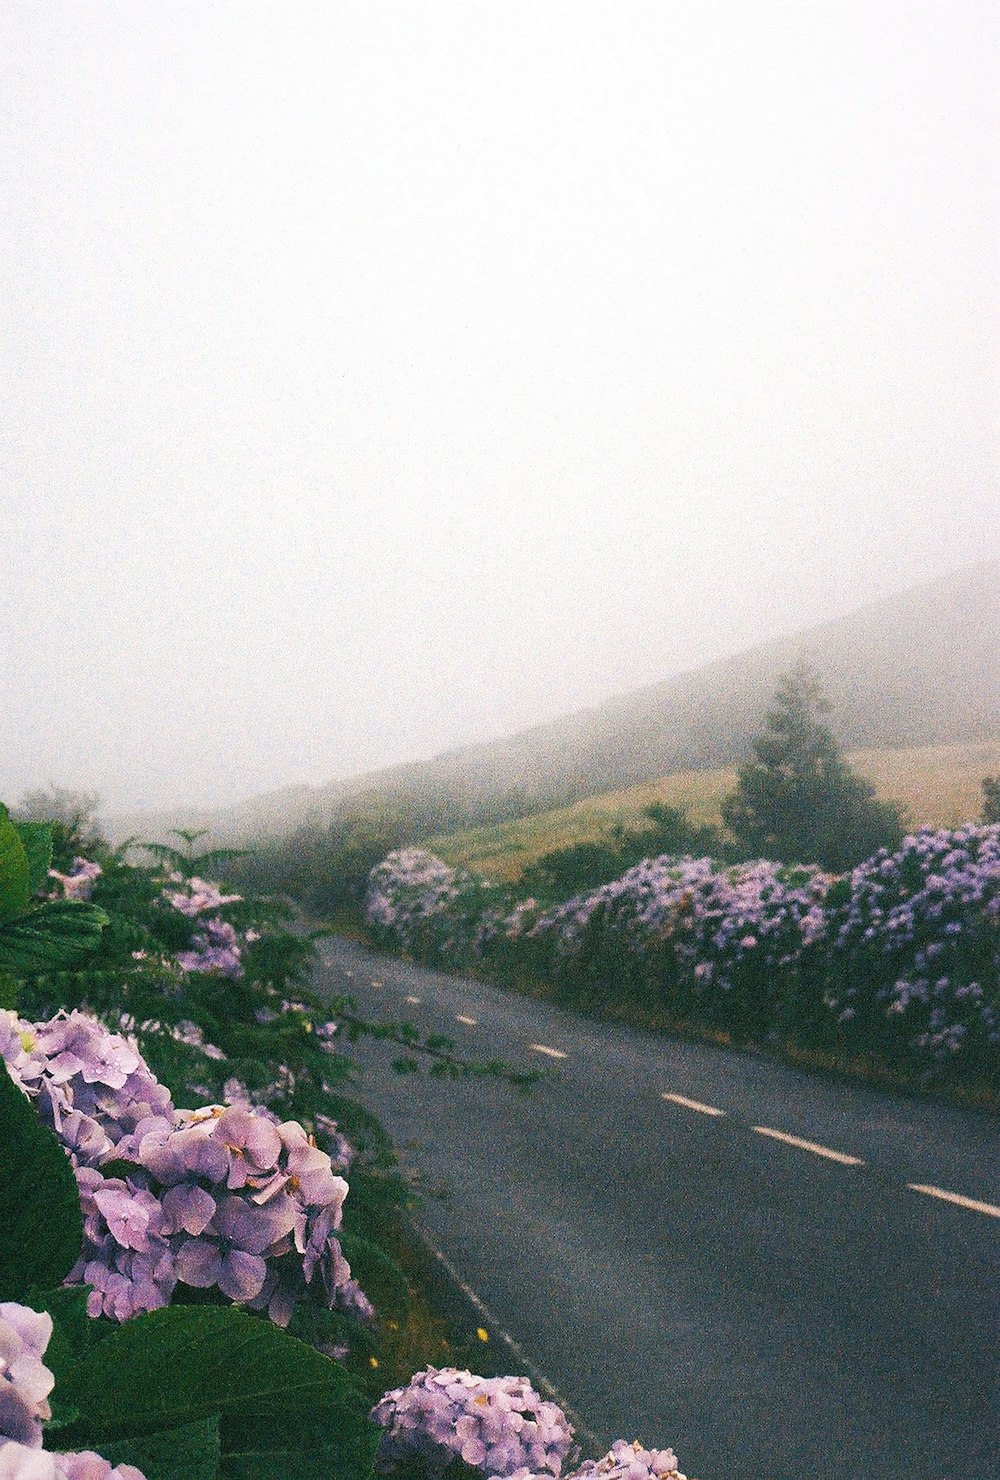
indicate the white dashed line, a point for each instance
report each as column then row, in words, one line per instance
column 553, row 1053
column 692, row 1104
column 469, row 1022
column 413, row 1001
column 813, row 1146
column 956, row 1197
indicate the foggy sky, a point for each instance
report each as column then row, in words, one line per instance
column 377, row 378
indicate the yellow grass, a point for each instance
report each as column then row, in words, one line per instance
column 937, row 784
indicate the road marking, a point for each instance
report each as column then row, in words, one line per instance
column 469, row 1022
column 692, row 1104
column 553, row 1053
column 813, row 1146
column 956, row 1197
column 413, row 1001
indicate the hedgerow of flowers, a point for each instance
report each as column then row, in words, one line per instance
column 902, row 955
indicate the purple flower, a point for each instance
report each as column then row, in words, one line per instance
column 25, row 1381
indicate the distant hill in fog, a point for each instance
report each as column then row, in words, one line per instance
column 920, row 668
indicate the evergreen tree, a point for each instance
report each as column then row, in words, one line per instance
column 797, row 799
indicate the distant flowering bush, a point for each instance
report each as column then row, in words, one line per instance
column 25, row 1385
column 418, row 902
column 913, row 943
column 902, row 955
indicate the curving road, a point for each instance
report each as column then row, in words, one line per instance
column 781, row 1276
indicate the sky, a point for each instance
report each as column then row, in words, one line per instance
column 376, row 378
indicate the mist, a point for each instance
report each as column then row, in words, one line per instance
column 380, row 379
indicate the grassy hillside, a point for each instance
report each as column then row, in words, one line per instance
column 916, row 669
column 937, row 784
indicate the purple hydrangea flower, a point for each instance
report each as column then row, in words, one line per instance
column 498, row 1425
column 223, row 1198
column 626, row 1461
column 25, row 1381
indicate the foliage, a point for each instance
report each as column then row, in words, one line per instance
column 586, row 865
column 222, row 1203
column 991, row 799
column 901, row 956
column 797, row 800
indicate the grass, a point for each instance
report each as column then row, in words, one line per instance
column 940, row 785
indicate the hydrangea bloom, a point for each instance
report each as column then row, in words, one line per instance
column 25, row 1381
column 423, row 904
column 18, row 1462
column 914, row 942
column 90, row 1085
column 499, row 1425
column 625, row 1461
column 221, row 1198
column 25, row 1384
column 79, row 884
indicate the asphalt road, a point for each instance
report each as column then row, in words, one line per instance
column 770, row 1311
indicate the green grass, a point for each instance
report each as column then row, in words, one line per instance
column 937, row 784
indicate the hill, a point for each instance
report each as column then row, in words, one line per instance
column 939, row 785
column 910, row 670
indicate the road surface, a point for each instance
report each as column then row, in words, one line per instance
column 781, row 1276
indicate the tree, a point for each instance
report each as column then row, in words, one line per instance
column 797, row 799
column 991, row 799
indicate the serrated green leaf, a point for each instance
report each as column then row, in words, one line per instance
column 51, row 936
column 14, row 891
column 42, row 1230
column 190, row 1452
column 36, row 838
column 329, row 1462
column 186, row 1363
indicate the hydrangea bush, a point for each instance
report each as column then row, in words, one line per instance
column 901, row 956
column 912, row 946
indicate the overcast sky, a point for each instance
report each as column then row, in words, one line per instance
column 378, row 377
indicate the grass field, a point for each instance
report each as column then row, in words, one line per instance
column 937, row 784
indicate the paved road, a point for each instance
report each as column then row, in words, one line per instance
column 771, row 1312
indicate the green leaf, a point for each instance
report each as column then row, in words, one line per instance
column 379, row 1276
column 328, row 1462
column 14, row 891
column 8, row 991
column 39, row 1201
column 50, row 937
column 36, row 838
column 186, row 1363
column 190, row 1452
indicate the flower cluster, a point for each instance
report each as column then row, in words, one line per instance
column 914, row 942
column 216, row 947
column 625, row 1461
column 79, row 884
column 25, row 1384
column 90, row 1085
column 420, row 903
column 499, row 1425
column 220, row 1198
column 902, row 955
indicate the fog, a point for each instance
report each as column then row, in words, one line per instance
column 378, row 378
